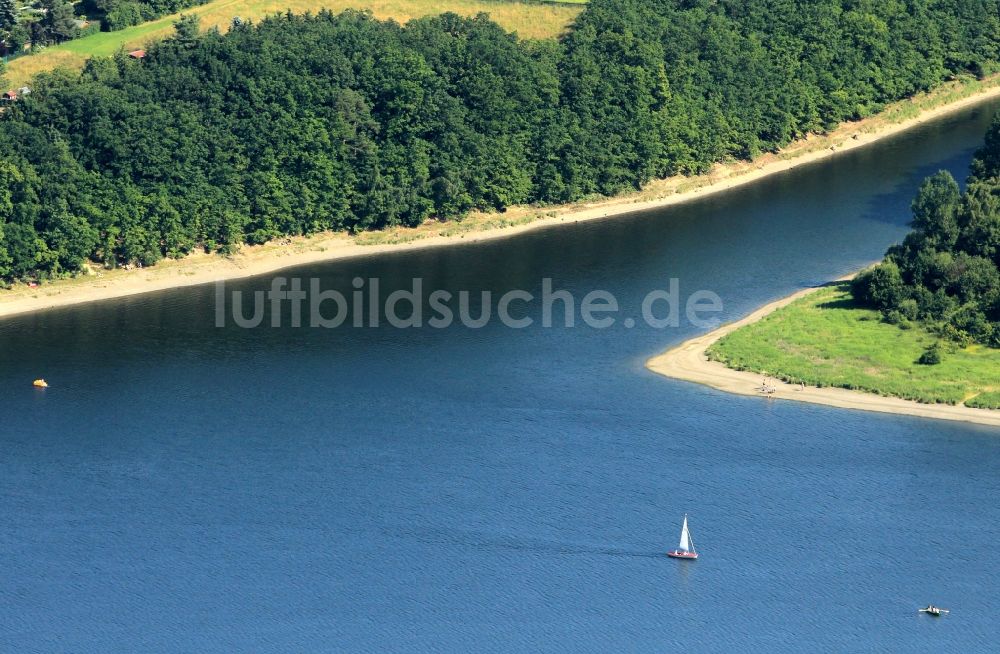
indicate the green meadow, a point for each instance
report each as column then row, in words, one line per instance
column 824, row 339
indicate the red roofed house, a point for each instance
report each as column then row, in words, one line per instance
column 137, row 54
column 9, row 96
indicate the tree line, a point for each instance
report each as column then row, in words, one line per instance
column 341, row 122
column 946, row 273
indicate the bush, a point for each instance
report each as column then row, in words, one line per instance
column 931, row 356
column 950, row 332
column 908, row 309
column 125, row 14
column 880, row 287
column 895, row 317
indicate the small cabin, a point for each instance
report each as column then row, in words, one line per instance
column 9, row 97
column 137, row 54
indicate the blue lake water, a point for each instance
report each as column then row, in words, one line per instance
column 187, row 488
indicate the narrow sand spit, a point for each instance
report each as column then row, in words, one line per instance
column 689, row 362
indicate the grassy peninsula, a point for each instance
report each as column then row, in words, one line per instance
column 827, row 339
column 923, row 325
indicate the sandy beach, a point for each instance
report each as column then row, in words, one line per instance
column 200, row 268
column 689, row 362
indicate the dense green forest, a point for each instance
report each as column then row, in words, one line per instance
column 308, row 123
column 947, row 271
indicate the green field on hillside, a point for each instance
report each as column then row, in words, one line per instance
column 528, row 20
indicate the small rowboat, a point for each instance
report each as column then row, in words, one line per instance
column 686, row 548
column 933, row 610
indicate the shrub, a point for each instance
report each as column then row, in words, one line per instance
column 931, row 356
column 880, row 287
column 895, row 317
column 909, row 309
column 123, row 15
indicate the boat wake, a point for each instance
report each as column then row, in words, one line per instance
column 497, row 542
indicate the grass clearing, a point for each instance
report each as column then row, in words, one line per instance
column 534, row 21
column 824, row 339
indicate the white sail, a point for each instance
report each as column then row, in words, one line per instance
column 685, row 537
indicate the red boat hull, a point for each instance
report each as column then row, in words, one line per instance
column 681, row 554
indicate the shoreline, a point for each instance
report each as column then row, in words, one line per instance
column 200, row 268
column 689, row 362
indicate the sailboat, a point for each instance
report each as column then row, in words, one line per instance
column 686, row 548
